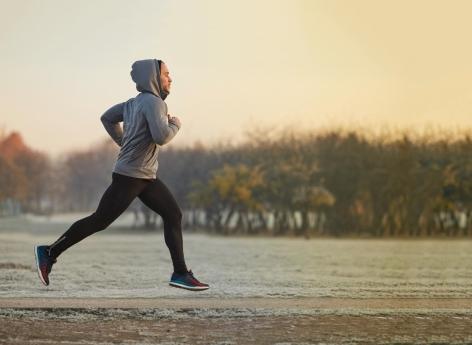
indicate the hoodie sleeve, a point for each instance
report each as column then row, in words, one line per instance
column 111, row 119
column 162, row 131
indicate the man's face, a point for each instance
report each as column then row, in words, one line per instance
column 165, row 78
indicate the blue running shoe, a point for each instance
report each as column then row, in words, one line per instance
column 44, row 263
column 187, row 281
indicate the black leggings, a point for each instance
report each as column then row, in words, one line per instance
column 116, row 199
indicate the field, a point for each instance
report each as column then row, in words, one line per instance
column 112, row 288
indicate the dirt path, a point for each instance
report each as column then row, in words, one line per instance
column 224, row 303
column 212, row 321
column 321, row 329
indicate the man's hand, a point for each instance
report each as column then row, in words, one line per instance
column 175, row 120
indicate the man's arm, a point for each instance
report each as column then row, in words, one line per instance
column 111, row 121
column 162, row 130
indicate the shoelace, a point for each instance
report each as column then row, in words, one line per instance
column 191, row 274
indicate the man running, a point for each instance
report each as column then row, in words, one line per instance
column 146, row 126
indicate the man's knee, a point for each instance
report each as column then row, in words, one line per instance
column 174, row 217
column 179, row 214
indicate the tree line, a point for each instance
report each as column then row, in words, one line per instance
column 334, row 182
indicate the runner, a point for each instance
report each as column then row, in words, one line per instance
column 146, row 126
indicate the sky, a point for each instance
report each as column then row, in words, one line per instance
column 237, row 65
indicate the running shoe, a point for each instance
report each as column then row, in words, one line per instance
column 44, row 263
column 187, row 281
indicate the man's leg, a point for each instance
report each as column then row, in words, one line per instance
column 158, row 198
column 113, row 203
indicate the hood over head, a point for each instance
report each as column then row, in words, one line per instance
column 146, row 75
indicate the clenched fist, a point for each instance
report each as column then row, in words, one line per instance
column 175, row 120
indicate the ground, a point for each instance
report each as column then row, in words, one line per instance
column 112, row 288
column 235, row 321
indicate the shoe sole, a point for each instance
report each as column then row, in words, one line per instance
column 196, row 288
column 37, row 265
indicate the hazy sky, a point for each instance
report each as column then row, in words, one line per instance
column 235, row 64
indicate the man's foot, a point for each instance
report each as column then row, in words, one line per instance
column 187, row 281
column 44, row 263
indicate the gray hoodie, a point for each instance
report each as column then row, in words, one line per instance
column 145, row 123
